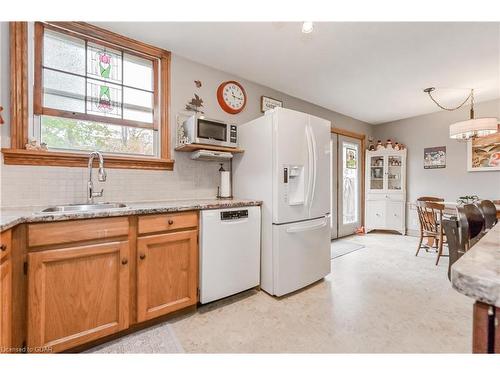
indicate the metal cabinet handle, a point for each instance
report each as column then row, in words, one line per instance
column 3, row 247
column 142, row 256
column 170, row 222
column 124, row 261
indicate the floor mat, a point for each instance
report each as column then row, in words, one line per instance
column 157, row 339
column 343, row 247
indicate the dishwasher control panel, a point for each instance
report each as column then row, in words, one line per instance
column 234, row 215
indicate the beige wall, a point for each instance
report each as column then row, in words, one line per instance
column 454, row 180
column 23, row 186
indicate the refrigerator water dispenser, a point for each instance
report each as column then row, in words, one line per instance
column 293, row 178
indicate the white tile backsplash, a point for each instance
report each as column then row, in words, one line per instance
column 34, row 186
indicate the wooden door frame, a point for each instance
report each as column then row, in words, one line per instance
column 362, row 138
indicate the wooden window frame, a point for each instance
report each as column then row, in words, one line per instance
column 17, row 153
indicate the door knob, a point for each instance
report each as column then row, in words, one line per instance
column 124, row 261
column 3, row 247
column 170, row 222
column 142, row 256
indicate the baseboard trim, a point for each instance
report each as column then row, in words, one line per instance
column 412, row 232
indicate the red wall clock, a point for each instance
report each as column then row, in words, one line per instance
column 232, row 97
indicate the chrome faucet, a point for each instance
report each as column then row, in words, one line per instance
column 91, row 194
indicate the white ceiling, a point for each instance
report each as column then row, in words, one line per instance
column 374, row 72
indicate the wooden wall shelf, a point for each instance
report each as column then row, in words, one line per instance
column 195, row 147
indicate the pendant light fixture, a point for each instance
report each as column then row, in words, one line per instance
column 468, row 129
column 307, row 27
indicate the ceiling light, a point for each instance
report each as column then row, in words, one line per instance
column 468, row 129
column 307, row 27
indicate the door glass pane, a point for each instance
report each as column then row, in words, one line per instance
column 394, row 173
column 350, row 165
column 376, row 172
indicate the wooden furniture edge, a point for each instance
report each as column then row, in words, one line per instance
column 14, row 156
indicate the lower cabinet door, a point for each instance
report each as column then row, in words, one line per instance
column 167, row 273
column 5, row 305
column 375, row 215
column 395, row 216
column 76, row 295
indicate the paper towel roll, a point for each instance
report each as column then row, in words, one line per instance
column 225, row 184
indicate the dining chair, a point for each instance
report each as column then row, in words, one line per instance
column 475, row 220
column 430, row 215
column 489, row 212
column 430, row 240
column 456, row 232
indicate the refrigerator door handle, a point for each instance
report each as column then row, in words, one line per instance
column 307, row 228
column 315, row 165
column 310, row 163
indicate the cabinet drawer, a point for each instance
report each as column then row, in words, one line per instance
column 5, row 243
column 396, row 197
column 76, row 230
column 162, row 223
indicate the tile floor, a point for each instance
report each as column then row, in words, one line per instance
column 377, row 299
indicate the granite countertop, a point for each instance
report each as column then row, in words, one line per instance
column 10, row 217
column 477, row 273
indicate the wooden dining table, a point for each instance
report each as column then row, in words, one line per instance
column 450, row 208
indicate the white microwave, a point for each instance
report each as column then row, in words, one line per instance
column 202, row 130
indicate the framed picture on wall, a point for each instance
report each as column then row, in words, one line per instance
column 267, row 103
column 483, row 154
column 435, row 157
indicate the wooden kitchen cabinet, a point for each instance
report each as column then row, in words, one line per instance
column 5, row 292
column 485, row 329
column 5, row 304
column 77, row 294
column 167, row 273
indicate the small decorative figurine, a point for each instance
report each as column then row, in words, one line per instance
column 380, row 146
column 182, row 139
column 371, row 146
column 388, row 144
column 396, row 146
column 33, row 145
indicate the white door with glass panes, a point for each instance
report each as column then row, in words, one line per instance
column 333, row 186
column 349, row 185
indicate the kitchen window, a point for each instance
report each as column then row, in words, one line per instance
column 96, row 90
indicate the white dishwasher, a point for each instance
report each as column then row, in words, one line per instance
column 229, row 251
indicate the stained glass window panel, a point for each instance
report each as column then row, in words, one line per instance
column 104, row 99
column 63, row 52
column 138, row 105
column 137, row 72
column 104, row 63
column 63, row 91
